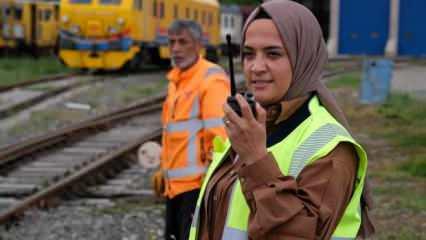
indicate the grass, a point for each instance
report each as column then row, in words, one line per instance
column 41, row 121
column 138, row 91
column 404, row 126
column 348, row 80
column 416, row 166
column 395, row 139
column 17, row 69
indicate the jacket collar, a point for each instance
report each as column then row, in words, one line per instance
column 177, row 76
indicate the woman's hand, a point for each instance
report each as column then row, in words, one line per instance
column 247, row 134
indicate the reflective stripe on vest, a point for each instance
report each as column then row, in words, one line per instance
column 229, row 232
column 310, row 146
column 317, row 140
column 213, row 70
column 193, row 125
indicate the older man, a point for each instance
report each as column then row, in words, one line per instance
column 192, row 117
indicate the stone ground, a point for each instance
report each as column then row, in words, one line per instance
column 410, row 79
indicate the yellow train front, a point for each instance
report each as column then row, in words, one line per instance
column 112, row 34
column 28, row 25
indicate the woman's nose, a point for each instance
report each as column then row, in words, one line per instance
column 258, row 65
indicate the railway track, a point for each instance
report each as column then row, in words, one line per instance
column 18, row 97
column 68, row 161
column 28, row 83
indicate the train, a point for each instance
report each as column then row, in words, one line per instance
column 29, row 25
column 112, row 34
column 116, row 34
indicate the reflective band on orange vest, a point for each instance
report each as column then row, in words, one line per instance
column 213, row 70
column 192, row 126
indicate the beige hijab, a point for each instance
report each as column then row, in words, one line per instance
column 302, row 37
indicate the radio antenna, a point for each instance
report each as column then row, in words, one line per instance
column 231, row 65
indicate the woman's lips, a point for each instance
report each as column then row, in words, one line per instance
column 260, row 84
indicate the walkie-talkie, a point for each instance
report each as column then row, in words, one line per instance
column 232, row 101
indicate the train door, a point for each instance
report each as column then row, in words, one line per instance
column 137, row 21
column 363, row 27
column 33, row 27
column 161, row 31
column 12, row 16
column 46, row 25
column 2, row 43
column 155, row 36
column 412, row 32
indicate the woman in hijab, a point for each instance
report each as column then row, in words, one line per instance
column 293, row 171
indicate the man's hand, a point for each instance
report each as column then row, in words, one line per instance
column 158, row 184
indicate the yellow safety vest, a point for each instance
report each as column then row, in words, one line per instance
column 313, row 139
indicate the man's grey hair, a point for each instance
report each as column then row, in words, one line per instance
column 193, row 27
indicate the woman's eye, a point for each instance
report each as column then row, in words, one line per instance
column 274, row 54
column 248, row 54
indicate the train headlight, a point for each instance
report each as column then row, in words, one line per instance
column 65, row 18
column 120, row 21
column 75, row 29
column 112, row 30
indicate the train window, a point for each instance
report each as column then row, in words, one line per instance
column 162, row 10
column 203, row 17
column 81, row 1
column 210, row 19
column 7, row 11
column 47, row 15
column 56, row 12
column 225, row 21
column 154, row 8
column 218, row 19
column 18, row 13
column 188, row 13
column 195, row 15
column 112, row 2
column 176, row 12
column 137, row 4
column 232, row 21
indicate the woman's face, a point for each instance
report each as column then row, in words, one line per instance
column 266, row 65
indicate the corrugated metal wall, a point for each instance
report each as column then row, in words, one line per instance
column 412, row 28
column 364, row 26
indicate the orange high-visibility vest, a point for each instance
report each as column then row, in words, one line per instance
column 192, row 117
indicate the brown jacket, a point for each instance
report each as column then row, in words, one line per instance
column 282, row 207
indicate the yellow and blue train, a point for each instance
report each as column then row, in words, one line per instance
column 28, row 25
column 112, row 34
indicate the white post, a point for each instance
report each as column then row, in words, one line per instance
column 391, row 49
column 333, row 37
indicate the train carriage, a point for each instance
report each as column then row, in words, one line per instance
column 111, row 34
column 29, row 24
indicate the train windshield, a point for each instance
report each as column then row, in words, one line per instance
column 80, row 1
column 112, row 2
column 18, row 13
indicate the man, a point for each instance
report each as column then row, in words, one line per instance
column 192, row 117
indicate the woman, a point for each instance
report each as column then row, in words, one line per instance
column 306, row 182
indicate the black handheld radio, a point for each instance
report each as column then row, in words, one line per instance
column 232, row 101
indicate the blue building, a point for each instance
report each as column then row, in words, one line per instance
column 377, row 27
